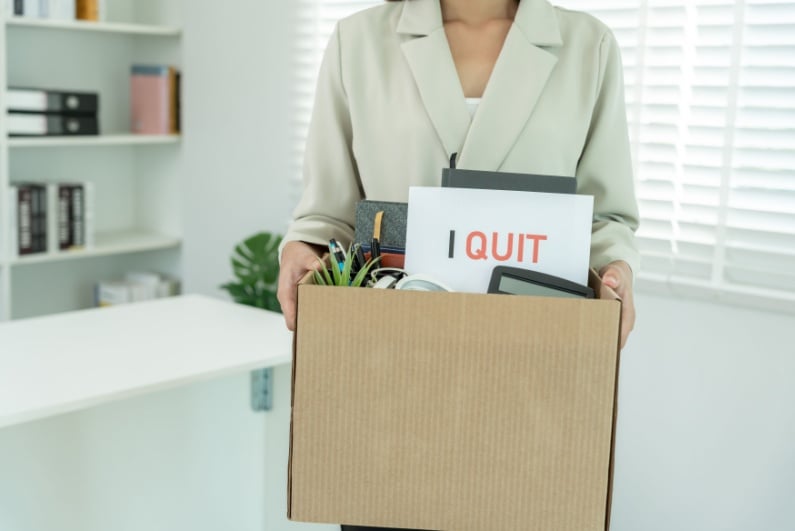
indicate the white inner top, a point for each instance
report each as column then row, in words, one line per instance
column 472, row 104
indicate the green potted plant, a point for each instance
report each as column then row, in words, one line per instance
column 255, row 263
column 343, row 274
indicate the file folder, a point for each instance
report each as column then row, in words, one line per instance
column 51, row 101
column 520, row 182
column 30, row 124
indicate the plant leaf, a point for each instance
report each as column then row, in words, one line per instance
column 326, row 279
column 255, row 264
column 362, row 274
column 345, row 276
column 245, row 252
column 319, row 280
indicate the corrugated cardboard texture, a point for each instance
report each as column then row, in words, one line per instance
column 452, row 411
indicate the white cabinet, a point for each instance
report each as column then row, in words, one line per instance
column 144, row 423
column 136, row 179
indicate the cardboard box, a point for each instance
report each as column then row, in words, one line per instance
column 453, row 411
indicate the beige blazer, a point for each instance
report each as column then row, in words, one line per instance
column 389, row 111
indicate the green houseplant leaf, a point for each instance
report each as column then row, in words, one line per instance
column 332, row 275
column 255, row 264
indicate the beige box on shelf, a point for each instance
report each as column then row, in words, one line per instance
column 453, row 411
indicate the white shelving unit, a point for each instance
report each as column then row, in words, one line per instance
column 108, row 27
column 92, row 141
column 136, row 178
column 107, row 244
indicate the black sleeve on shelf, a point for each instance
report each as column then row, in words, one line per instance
column 64, row 217
column 39, row 215
column 77, row 211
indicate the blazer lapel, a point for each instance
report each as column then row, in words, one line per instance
column 428, row 55
column 516, row 83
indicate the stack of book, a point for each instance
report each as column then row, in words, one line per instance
column 56, row 9
column 41, row 112
column 51, row 217
column 135, row 287
column 155, row 99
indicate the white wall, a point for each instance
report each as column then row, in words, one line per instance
column 706, row 425
column 236, row 133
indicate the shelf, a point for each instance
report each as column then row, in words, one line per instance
column 103, row 27
column 67, row 362
column 106, row 244
column 94, row 140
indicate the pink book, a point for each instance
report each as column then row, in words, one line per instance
column 153, row 100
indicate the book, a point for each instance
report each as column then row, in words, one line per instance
column 35, row 100
column 111, row 293
column 80, row 215
column 51, row 243
column 154, row 99
column 14, row 8
column 13, row 220
column 178, row 102
column 47, row 9
column 135, row 287
column 64, row 216
column 31, row 8
column 77, row 229
column 168, row 287
column 38, row 218
column 28, row 219
column 31, row 218
column 24, row 219
column 88, row 10
column 88, row 215
column 39, row 124
column 51, row 217
column 60, row 9
column 393, row 224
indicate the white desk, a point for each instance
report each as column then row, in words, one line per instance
column 66, row 362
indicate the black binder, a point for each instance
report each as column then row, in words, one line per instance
column 52, row 101
column 37, row 124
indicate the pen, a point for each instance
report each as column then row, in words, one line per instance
column 375, row 249
column 337, row 253
column 358, row 258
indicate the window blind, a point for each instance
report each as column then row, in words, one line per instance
column 710, row 90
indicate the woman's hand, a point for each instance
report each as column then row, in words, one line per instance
column 297, row 259
column 618, row 276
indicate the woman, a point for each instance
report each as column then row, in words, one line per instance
column 512, row 86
